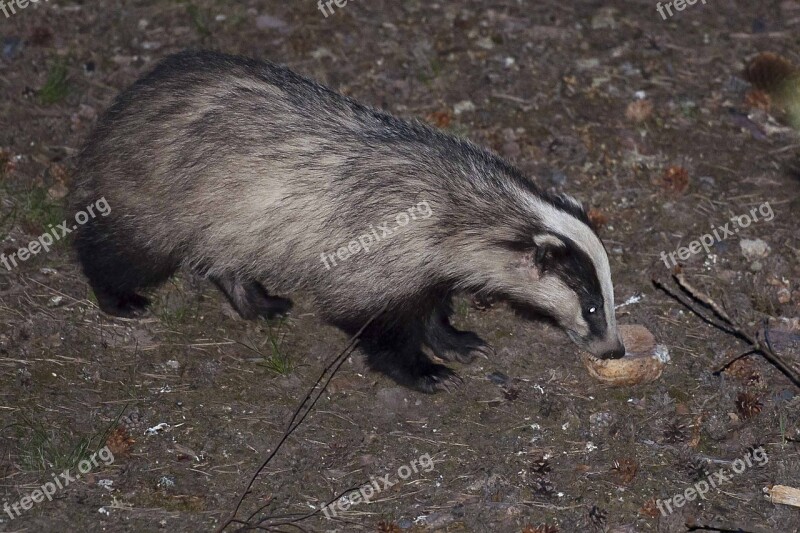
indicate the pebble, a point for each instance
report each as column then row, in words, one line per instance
column 557, row 178
column 463, row 107
column 753, row 249
column 604, row 19
column 498, row 378
column 11, row 47
column 268, row 22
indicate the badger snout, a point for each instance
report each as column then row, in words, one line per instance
column 617, row 352
column 608, row 349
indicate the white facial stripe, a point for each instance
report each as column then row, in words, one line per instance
column 547, row 239
column 559, row 221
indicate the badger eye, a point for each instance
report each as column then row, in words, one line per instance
column 592, row 310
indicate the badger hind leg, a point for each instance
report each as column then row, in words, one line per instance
column 116, row 270
column 250, row 299
column 121, row 304
column 450, row 344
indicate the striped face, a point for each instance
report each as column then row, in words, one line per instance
column 572, row 277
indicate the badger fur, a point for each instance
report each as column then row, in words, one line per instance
column 259, row 179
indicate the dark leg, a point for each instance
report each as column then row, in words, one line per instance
column 250, row 298
column 116, row 270
column 126, row 305
column 394, row 347
column 450, row 344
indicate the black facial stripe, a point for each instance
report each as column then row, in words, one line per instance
column 576, row 269
column 574, row 210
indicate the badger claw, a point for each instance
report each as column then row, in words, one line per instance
column 438, row 378
column 463, row 347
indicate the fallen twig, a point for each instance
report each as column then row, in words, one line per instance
column 722, row 321
column 720, row 527
column 294, row 423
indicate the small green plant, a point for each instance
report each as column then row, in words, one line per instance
column 172, row 318
column 38, row 209
column 43, row 448
column 56, row 87
column 278, row 360
column 33, row 209
column 462, row 309
column 275, row 358
column 199, row 21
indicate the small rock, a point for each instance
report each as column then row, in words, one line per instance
column 437, row 520
column 57, row 191
column 756, row 266
column 166, row 482
column 753, row 249
column 463, row 107
column 87, row 112
column 11, row 47
column 784, row 396
column 321, row 52
column 55, row 301
column 784, row 295
column 604, row 19
column 707, row 182
column 131, row 421
column 587, row 64
column 557, row 178
column 155, row 430
column 268, row 22
column 627, row 69
column 599, row 421
column 485, row 42
column 498, row 378
column 509, row 134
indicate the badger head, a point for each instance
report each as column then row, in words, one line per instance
column 561, row 269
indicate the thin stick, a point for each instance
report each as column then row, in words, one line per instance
column 721, row 368
column 730, row 327
column 337, row 362
column 674, row 296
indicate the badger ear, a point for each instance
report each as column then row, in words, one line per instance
column 548, row 248
column 537, row 259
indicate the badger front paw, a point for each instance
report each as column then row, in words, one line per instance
column 436, row 378
column 461, row 346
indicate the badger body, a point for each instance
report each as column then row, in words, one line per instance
column 262, row 180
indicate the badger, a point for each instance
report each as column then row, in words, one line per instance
column 267, row 183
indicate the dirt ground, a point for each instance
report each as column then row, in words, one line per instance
column 646, row 119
